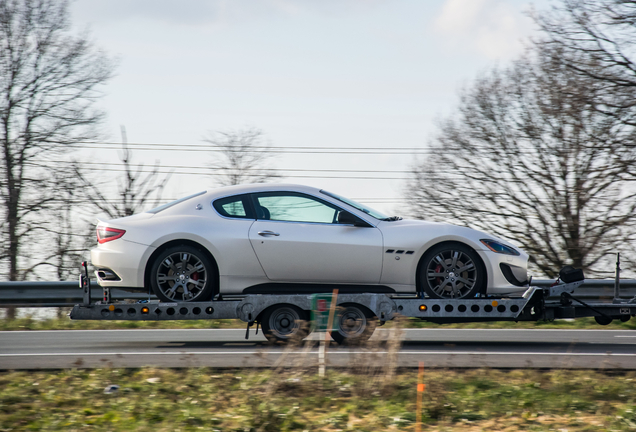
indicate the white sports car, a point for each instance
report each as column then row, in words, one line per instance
column 280, row 238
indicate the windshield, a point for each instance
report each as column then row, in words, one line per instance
column 373, row 213
column 170, row 204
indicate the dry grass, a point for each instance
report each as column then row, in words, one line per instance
column 154, row 399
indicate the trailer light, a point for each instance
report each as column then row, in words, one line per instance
column 145, row 310
column 423, row 308
column 495, row 303
column 111, row 308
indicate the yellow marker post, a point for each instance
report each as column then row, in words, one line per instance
column 420, row 389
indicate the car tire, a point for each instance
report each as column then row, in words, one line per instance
column 285, row 323
column 451, row 271
column 355, row 323
column 182, row 273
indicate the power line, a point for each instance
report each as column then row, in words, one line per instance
column 208, row 147
column 207, row 173
column 120, row 164
column 259, row 149
column 258, row 175
column 264, row 150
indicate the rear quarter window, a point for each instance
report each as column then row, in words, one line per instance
column 237, row 206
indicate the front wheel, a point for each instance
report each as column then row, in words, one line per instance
column 451, row 271
column 182, row 273
column 355, row 325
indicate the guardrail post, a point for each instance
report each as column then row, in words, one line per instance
column 85, row 284
column 617, row 279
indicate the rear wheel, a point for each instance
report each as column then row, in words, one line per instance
column 182, row 273
column 356, row 324
column 284, row 323
column 451, row 270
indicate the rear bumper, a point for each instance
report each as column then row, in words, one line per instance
column 121, row 264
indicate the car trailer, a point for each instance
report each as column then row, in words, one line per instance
column 285, row 317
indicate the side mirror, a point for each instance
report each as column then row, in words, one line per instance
column 346, row 218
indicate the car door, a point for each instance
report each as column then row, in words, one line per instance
column 297, row 238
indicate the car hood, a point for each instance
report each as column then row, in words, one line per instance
column 442, row 229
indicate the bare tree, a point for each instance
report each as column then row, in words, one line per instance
column 135, row 190
column 60, row 229
column 597, row 40
column 529, row 158
column 241, row 157
column 49, row 81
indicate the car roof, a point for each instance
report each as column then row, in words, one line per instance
column 259, row 187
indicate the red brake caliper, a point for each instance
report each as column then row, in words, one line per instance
column 195, row 276
column 437, row 270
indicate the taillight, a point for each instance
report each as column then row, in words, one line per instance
column 106, row 234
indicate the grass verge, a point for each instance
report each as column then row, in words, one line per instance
column 156, row 400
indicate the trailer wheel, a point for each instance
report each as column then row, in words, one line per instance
column 356, row 324
column 603, row 320
column 182, row 273
column 285, row 323
column 451, row 270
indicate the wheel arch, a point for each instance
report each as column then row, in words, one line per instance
column 178, row 242
column 482, row 264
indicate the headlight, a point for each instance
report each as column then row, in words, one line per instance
column 497, row 247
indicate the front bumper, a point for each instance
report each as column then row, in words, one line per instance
column 503, row 282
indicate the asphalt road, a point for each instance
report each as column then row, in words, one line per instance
column 564, row 349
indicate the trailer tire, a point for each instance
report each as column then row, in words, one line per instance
column 603, row 320
column 284, row 323
column 356, row 324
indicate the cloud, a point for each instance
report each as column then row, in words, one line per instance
column 493, row 28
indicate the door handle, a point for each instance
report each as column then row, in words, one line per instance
column 268, row 233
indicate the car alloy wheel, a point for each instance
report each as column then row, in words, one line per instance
column 451, row 271
column 182, row 273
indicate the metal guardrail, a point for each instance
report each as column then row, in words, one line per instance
column 59, row 294
column 56, row 294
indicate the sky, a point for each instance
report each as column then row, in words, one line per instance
column 337, row 74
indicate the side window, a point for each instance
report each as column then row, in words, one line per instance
column 234, row 207
column 293, row 207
